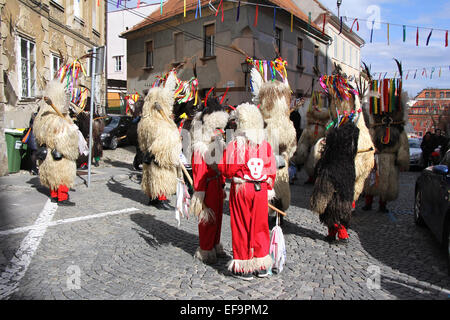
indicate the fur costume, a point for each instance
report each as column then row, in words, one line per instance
column 82, row 121
column 208, row 198
column 274, row 100
column 249, row 161
column 346, row 162
column 391, row 157
column 56, row 133
column 160, row 142
column 317, row 118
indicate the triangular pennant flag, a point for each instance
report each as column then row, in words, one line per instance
column 404, row 33
column 371, row 31
column 255, row 23
column 429, row 36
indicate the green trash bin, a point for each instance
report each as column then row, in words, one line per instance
column 13, row 147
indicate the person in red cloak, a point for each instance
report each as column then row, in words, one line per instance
column 248, row 160
column 207, row 201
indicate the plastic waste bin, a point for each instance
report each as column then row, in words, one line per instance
column 13, row 147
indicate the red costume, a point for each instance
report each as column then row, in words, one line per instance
column 210, row 182
column 252, row 169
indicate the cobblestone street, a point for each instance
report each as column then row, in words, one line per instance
column 111, row 245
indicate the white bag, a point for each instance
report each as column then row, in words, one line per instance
column 183, row 202
column 277, row 248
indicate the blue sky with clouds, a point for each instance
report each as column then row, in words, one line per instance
column 379, row 55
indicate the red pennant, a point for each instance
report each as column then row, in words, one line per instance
column 417, row 37
column 357, row 25
column 324, row 22
column 256, row 16
column 446, row 38
column 218, row 8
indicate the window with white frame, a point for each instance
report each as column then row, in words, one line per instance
column 55, row 64
column 78, row 8
column 344, row 58
column 117, row 63
column 27, row 72
column 209, row 32
column 335, row 42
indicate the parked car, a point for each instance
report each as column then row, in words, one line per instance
column 115, row 131
column 431, row 205
column 415, row 154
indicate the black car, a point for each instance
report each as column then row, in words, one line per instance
column 431, row 205
column 115, row 131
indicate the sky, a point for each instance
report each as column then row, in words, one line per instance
column 379, row 55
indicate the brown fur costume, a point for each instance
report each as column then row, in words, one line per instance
column 391, row 157
column 56, row 133
column 316, row 121
column 274, row 99
column 159, row 136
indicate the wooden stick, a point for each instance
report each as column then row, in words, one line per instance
column 186, row 173
column 50, row 103
column 277, row 210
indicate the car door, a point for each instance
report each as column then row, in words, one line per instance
column 123, row 125
column 438, row 201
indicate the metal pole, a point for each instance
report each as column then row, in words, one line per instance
column 93, row 59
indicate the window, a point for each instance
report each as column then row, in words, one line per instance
column 55, row 64
column 343, row 52
column 299, row 51
column 433, row 95
column 95, row 17
column 278, row 37
column 149, row 54
column 350, row 58
column 336, row 53
column 316, row 57
column 117, row 63
column 441, row 95
column 27, row 74
column 427, row 94
column 209, row 31
column 447, row 94
column 179, row 46
column 78, row 8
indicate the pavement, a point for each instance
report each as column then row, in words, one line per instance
column 112, row 245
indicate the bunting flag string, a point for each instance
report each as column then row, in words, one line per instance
column 119, row 2
column 427, row 72
column 139, row 3
column 161, row 7
column 355, row 21
column 183, row 8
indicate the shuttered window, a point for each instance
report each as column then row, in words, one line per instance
column 210, row 31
